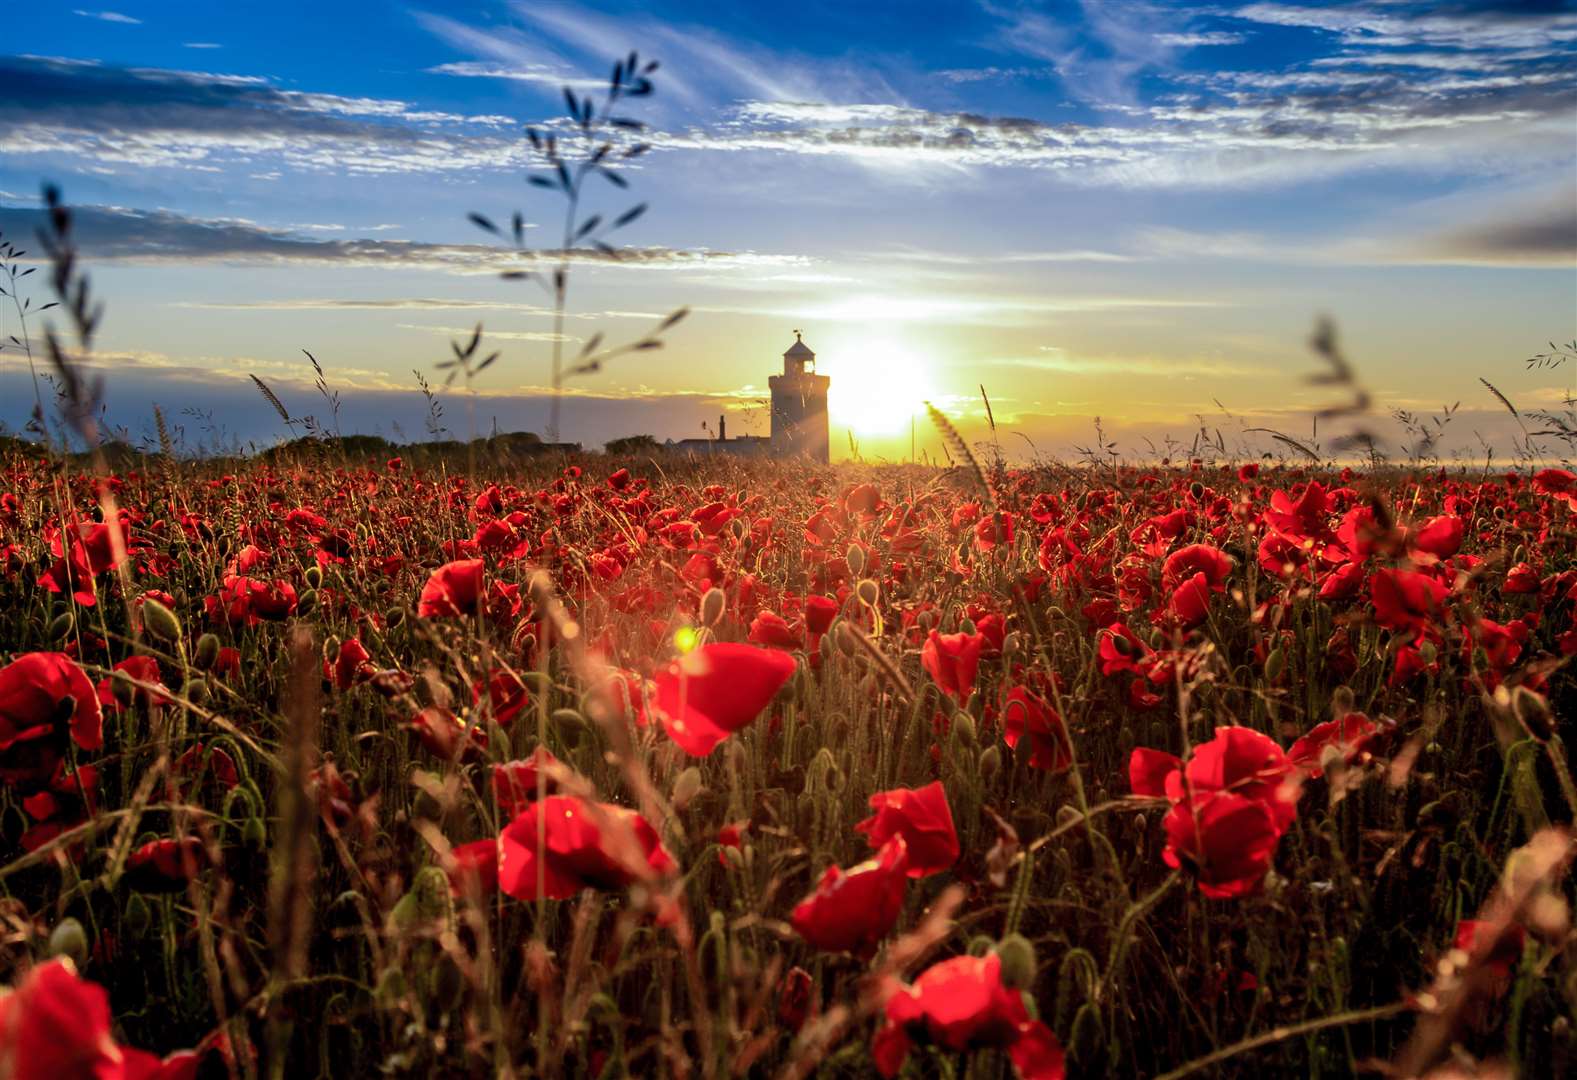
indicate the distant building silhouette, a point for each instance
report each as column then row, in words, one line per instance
column 799, row 415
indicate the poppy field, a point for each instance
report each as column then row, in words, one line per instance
column 665, row 768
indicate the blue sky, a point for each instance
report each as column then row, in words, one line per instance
column 1131, row 210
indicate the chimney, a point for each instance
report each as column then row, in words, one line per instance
column 722, row 426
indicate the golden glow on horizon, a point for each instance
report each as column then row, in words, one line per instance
column 878, row 384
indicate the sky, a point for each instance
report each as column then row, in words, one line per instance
column 1131, row 211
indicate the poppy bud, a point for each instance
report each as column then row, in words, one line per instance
column 1427, row 653
column 434, row 898
column 967, row 627
column 964, row 727
column 160, row 621
column 1012, row 643
column 856, row 560
column 136, row 918
column 406, row 915
column 1275, row 664
column 979, row 945
column 990, row 762
column 687, row 787
column 391, row 987
column 61, row 625
column 306, row 602
column 1087, row 1044
column 1018, row 961
column 69, row 939
column 713, row 605
column 207, row 652
column 868, row 592
column 1342, row 701
column 394, row 617
column 254, row 834
column 195, row 690
column 314, row 577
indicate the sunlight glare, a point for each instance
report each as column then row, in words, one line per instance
column 877, row 386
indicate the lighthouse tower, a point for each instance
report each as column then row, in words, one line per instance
column 799, row 405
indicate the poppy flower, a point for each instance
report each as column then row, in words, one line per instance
column 769, row 628
column 922, row 817
column 1026, row 716
column 1349, row 735
column 1190, row 602
column 1227, row 840
column 994, row 529
column 1440, row 537
column 586, row 845
column 731, row 835
column 475, row 867
column 55, row 1026
column 43, row 697
column 710, row 693
column 1406, row 599
column 952, row 661
column 1560, row 483
column 852, row 910
column 960, row 1005
column 795, row 998
column 166, row 865
column 352, row 664
column 819, row 613
column 452, row 589
column 1242, row 761
column 1148, row 771
column 1184, row 563
column 507, row 695
column 515, row 783
column 1473, row 938
column 444, row 734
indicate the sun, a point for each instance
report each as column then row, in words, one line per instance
column 878, row 386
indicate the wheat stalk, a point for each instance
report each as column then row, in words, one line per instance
column 1500, row 397
column 960, row 449
column 279, row 407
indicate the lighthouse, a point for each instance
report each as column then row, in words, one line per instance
column 799, row 405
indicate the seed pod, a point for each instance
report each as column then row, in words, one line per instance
column 62, row 625
column 990, row 762
column 136, row 917
column 1087, row 1046
column 195, row 690
column 314, row 577
column 687, row 786
column 855, row 557
column 713, row 604
column 69, row 939
column 1275, row 664
column 1018, row 961
column 160, row 621
column 207, row 652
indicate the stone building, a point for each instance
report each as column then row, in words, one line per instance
column 799, row 415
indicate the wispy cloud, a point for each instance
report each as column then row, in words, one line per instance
column 161, row 236
column 108, row 16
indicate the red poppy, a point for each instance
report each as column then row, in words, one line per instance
column 1148, row 771
column 475, row 867
column 852, row 910
column 43, row 698
column 444, row 734
column 819, row 613
column 769, row 628
column 1440, row 537
column 962, row 1004
column 1473, row 938
column 732, row 836
column 516, row 783
column 452, row 589
column 55, row 1026
column 952, row 660
column 587, row 845
column 1026, row 716
column 994, row 529
column 1184, row 563
column 710, row 693
column 922, row 817
column 1349, row 735
column 1242, row 761
column 1225, row 839
column 1406, row 599
column 507, row 695
column 1190, row 602
column 795, row 998
column 1557, row 482
column 166, row 865
column 352, row 664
